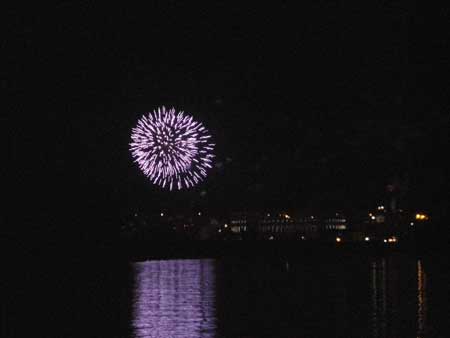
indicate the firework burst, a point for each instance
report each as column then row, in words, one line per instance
column 172, row 149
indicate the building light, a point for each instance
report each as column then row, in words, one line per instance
column 303, row 237
column 373, row 217
column 162, row 214
column 220, row 230
column 199, row 213
column 366, row 239
column 271, row 238
column 421, row 217
column 225, row 225
column 412, row 223
column 338, row 239
column 385, row 240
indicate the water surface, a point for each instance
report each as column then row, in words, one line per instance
column 388, row 296
column 304, row 295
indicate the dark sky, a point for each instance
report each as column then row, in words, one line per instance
column 314, row 106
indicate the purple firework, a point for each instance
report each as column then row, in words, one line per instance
column 172, row 149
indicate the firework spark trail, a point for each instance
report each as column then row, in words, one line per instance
column 172, row 149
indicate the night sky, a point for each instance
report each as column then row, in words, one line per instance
column 319, row 106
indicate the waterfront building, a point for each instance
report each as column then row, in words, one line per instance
column 334, row 226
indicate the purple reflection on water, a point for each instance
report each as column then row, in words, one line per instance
column 174, row 298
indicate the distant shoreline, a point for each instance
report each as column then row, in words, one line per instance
column 266, row 249
column 116, row 249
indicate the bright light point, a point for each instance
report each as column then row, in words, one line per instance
column 271, row 238
column 385, row 240
column 412, row 223
column 373, row 217
column 220, row 230
column 338, row 239
column 366, row 239
column 421, row 217
column 199, row 213
column 303, row 237
column 225, row 226
column 162, row 214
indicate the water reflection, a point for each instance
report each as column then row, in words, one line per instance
column 174, row 298
column 397, row 294
column 381, row 297
column 378, row 298
column 421, row 300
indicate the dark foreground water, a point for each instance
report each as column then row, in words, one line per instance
column 389, row 295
